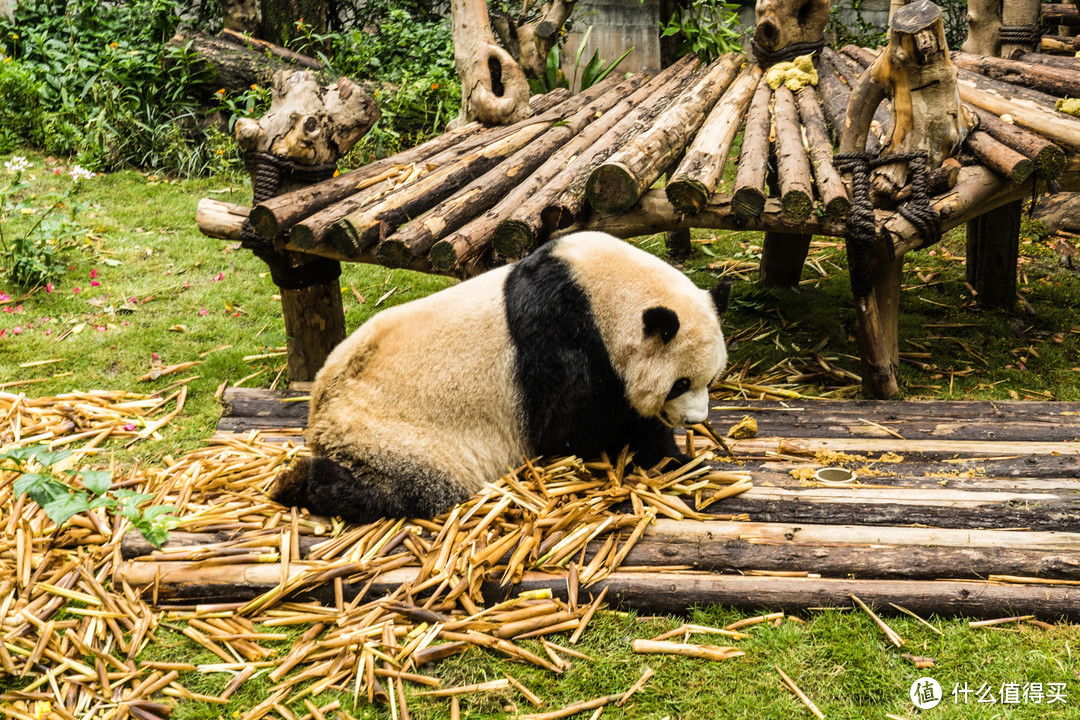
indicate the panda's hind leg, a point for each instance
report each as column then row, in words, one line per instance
column 327, row 487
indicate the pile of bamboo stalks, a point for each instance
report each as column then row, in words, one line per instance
column 80, row 603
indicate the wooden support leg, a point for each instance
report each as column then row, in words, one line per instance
column 782, row 259
column 678, row 243
column 993, row 245
column 314, row 324
column 877, row 319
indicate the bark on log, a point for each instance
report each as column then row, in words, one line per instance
column 654, row 213
column 273, row 217
column 926, row 112
column 749, row 193
column 494, row 89
column 845, row 71
column 354, row 233
column 1060, row 44
column 1038, row 58
column 1020, row 13
column 697, row 176
column 1060, row 14
column 1048, row 158
column 309, row 123
column 999, row 157
column 983, row 21
column 1046, row 78
column 517, row 217
column 1059, row 128
column 221, row 220
column 618, row 183
column 653, row 591
column 314, row 324
column 782, row 258
column 792, row 164
column 831, row 188
column 221, row 62
column 415, row 239
column 522, row 209
column 780, row 24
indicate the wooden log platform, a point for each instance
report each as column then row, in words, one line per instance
column 968, row 508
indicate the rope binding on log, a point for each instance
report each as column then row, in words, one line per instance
column 268, row 173
column 861, row 231
column 1020, row 34
column 767, row 58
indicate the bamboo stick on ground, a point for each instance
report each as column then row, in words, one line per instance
column 697, row 176
column 705, row 652
column 748, row 195
column 799, row 693
column 620, row 181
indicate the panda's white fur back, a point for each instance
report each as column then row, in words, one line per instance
column 389, row 385
column 585, row 346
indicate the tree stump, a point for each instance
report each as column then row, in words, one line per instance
column 530, row 42
column 983, row 20
column 494, row 89
column 297, row 142
column 915, row 72
column 786, row 28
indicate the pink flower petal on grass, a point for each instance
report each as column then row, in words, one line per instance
column 202, row 311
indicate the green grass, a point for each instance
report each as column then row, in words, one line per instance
column 144, row 245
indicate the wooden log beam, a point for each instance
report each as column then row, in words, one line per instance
column 362, row 228
column 654, row 213
column 834, row 92
column 1060, row 14
column 651, row 591
column 697, row 175
column 1061, row 129
column 831, row 188
column 517, row 218
column 999, row 157
column 415, row 239
column 1040, row 58
column 792, row 164
column 618, row 183
column 1060, row 44
column 1047, row 158
column 1049, row 79
column 273, row 217
column 565, row 190
column 881, row 122
column 221, row 220
column 749, row 193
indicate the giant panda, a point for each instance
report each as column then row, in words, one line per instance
column 586, row 346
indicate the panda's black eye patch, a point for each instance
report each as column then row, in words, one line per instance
column 678, row 388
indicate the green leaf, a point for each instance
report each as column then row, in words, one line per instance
column 22, row 454
column 42, row 489
column 60, row 509
column 588, row 75
column 97, row 481
column 51, row 458
column 604, row 73
column 551, row 68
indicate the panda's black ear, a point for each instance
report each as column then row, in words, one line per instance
column 720, row 295
column 660, row 322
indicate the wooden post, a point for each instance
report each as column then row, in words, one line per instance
column 308, row 127
column 1017, row 15
column 993, row 244
column 983, row 20
column 782, row 259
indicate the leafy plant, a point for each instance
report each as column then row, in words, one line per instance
column 857, row 31
column 709, row 28
column 50, row 489
column 33, row 256
column 592, row 73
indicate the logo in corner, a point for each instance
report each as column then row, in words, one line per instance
column 925, row 693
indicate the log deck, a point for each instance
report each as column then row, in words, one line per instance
column 947, row 497
column 395, row 213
